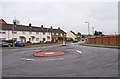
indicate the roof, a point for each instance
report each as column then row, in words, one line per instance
column 31, row 28
column 73, row 32
column 2, row 21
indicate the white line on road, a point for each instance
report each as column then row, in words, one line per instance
column 23, row 52
column 27, row 59
column 80, row 52
column 55, row 59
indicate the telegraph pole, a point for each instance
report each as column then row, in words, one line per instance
column 93, row 30
column 88, row 28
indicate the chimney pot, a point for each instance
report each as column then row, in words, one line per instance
column 58, row 27
column 29, row 24
column 41, row 26
column 51, row 27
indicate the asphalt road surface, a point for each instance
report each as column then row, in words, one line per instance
column 78, row 61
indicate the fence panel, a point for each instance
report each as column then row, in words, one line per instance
column 98, row 40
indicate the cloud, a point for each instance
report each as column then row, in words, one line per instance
column 67, row 15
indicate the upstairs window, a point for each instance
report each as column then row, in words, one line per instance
column 23, row 32
column 37, row 33
column 30, row 32
column 14, row 32
column 43, row 33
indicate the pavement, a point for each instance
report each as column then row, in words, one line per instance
column 78, row 61
column 103, row 46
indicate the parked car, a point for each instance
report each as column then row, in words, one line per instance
column 5, row 44
column 20, row 44
column 74, row 41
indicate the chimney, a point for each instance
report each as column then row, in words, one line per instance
column 30, row 24
column 59, row 28
column 14, row 23
column 51, row 27
column 41, row 26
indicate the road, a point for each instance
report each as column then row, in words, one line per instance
column 78, row 61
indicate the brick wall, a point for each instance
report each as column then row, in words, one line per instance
column 111, row 40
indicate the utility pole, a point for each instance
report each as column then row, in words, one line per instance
column 93, row 30
column 13, row 28
column 88, row 28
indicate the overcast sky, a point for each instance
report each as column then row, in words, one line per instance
column 103, row 16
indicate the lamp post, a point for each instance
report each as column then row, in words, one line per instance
column 13, row 28
column 88, row 28
column 93, row 30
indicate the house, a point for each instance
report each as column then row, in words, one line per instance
column 71, row 36
column 34, row 34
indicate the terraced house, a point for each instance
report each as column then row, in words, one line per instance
column 29, row 33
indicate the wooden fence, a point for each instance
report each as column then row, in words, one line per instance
column 107, row 40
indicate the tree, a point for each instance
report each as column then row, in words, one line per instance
column 98, row 33
column 79, row 33
column 60, row 38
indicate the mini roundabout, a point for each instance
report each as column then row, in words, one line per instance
column 48, row 54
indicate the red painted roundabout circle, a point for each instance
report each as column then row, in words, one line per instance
column 44, row 54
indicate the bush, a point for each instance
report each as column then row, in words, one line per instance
column 9, row 41
column 28, row 42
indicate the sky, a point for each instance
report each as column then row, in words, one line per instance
column 68, row 15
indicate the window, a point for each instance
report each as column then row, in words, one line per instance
column 15, row 39
column 2, row 32
column 48, row 37
column 56, row 33
column 43, row 33
column 61, row 34
column 48, row 33
column 37, row 39
column 37, row 33
column 52, row 33
column 30, row 32
column 2, row 39
column 15, row 32
column 23, row 32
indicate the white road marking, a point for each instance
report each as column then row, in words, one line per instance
column 27, row 59
column 37, row 50
column 23, row 52
column 49, row 53
column 55, row 59
column 80, row 52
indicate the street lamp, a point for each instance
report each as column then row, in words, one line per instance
column 14, row 25
column 88, row 28
column 93, row 30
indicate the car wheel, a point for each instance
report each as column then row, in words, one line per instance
column 9, row 45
